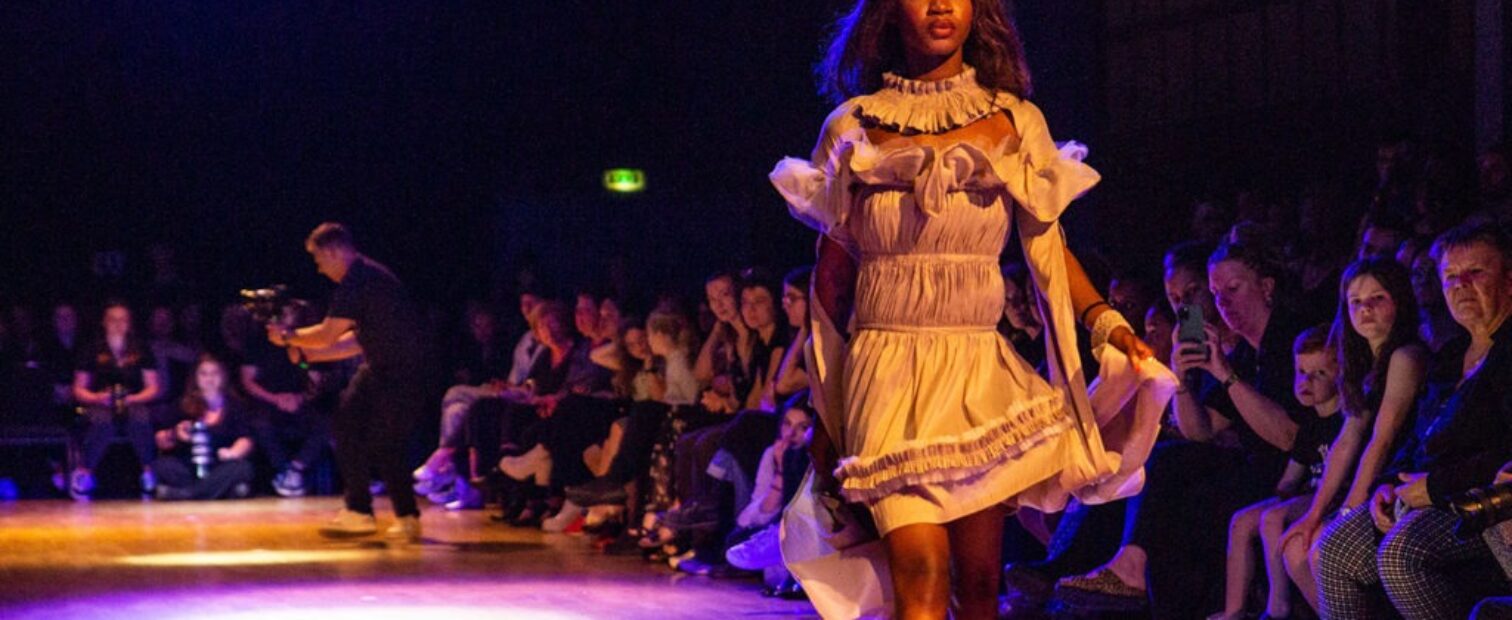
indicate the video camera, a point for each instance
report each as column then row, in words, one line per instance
column 267, row 305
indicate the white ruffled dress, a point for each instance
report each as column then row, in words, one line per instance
column 935, row 414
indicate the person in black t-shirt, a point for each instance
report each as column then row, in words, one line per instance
column 211, row 400
column 114, row 382
column 290, row 427
column 371, row 314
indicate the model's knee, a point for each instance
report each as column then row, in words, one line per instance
column 976, row 585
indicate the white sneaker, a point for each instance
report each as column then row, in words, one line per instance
column 558, row 523
column 407, row 528
column 348, row 524
column 757, row 552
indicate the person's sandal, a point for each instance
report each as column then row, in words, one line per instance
column 1099, row 591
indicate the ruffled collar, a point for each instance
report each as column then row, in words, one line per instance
column 912, row 107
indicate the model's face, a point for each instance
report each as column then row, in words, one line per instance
column 795, row 305
column 721, row 296
column 1372, row 311
column 117, row 322
column 1314, row 383
column 757, row 308
column 934, row 29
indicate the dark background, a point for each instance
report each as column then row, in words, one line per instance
column 463, row 140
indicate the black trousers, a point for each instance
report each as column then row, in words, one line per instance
column 1181, row 521
column 579, row 422
column 371, row 429
column 645, row 420
column 102, row 425
column 222, row 477
column 306, row 431
column 491, row 423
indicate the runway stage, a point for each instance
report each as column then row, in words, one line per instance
column 261, row 559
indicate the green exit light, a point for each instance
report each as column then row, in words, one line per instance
column 624, row 180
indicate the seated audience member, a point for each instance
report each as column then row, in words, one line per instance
column 584, row 420
column 436, row 478
column 1238, row 429
column 563, row 369
column 219, row 467
column 1316, row 391
column 1399, row 549
column 1383, row 369
column 672, row 392
column 291, row 429
column 1131, row 295
column 1021, row 324
column 753, row 545
column 790, row 376
column 1436, row 327
column 174, row 357
column 1380, row 235
column 482, row 356
column 60, row 352
column 114, row 382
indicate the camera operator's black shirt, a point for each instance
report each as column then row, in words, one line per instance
column 388, row 324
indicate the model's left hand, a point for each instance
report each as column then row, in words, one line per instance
column 1124, row 340
column 1414, row 490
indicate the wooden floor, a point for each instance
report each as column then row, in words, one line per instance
column 262, row 559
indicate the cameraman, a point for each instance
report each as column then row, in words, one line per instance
column 371, row 314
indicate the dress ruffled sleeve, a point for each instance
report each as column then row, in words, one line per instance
column 817, row 190
column 1042, row 177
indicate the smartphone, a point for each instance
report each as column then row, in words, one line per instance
column 1190, row 327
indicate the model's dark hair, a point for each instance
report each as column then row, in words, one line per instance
column 1362, row 373
column 866, row 43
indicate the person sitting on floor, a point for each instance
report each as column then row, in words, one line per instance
column 205, row 455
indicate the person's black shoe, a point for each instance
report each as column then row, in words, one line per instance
column 531, row 515
column 1026, row 584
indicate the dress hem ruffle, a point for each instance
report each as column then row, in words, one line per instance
column 947, row 459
